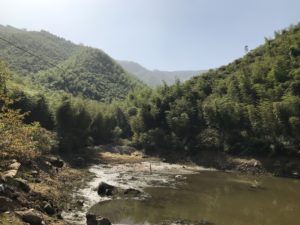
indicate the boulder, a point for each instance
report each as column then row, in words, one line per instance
column 31, row 216
column 14, row 166
column 105, row 189
column 92, row 219
column 6, row 204
column 48, row 208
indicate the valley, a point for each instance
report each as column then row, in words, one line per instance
column 83, row 141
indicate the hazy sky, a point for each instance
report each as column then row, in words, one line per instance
column 162, row 34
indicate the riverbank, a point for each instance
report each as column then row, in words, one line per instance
column 280, row 166
column 36, row 192
column 125, row 170
column 59, row 189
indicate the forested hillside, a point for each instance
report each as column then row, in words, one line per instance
column 250, row 106
column 58, row 64
column 48, row 47
column 155, row 78
column 91, row 74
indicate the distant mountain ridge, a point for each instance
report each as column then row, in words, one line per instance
column 58, row 64
column 156, row 77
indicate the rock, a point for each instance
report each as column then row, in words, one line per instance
column 31, row 216
column 34, row 173
column 295, row 174
column 23, row 184
column 6, row 204
column 131, row 191
column 14, row 166
column 37, row 180
column 56, row 162
column 180, row 177
column 22, row 200
column 2, row 189
column 92, row 219
column 132, row 178
column 80, row 203
column 105, row 189
column 79, row 161
column 9, row 174
column 48, row 208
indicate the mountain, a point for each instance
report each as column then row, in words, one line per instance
column 58, row 64
column 156, row 77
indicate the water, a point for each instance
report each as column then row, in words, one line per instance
column 125, row 175
column 218, row 197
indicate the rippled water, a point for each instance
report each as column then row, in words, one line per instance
column 218, row 197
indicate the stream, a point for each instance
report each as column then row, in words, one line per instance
column 175, row 192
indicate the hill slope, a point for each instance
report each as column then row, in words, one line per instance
column 90, row 73
column 156, row 77
column 50, row 47
column 249, row 106
column 82, row 71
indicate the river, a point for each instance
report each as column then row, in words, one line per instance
column 220, row 198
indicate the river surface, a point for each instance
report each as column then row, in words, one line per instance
column 221, row 198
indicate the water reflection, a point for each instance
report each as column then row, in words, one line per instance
column 221, row 198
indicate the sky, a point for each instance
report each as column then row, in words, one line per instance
column 158, row 34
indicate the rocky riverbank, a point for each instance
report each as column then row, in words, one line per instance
column 57, row 192
column 36, row 192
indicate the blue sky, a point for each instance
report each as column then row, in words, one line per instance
column 159, row 34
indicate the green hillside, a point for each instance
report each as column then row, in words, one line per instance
column 58, row 64
column 249, row 106
column 48, row 47
column 90, row 73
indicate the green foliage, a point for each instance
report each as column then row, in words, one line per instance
column 72, row 126
column 251, row 105
column 89, row 73
column 17, row 139
column 49, row 47
column 34, row 107
column 58, row 64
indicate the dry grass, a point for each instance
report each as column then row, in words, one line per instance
column 10, row 219
column 108, row 157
